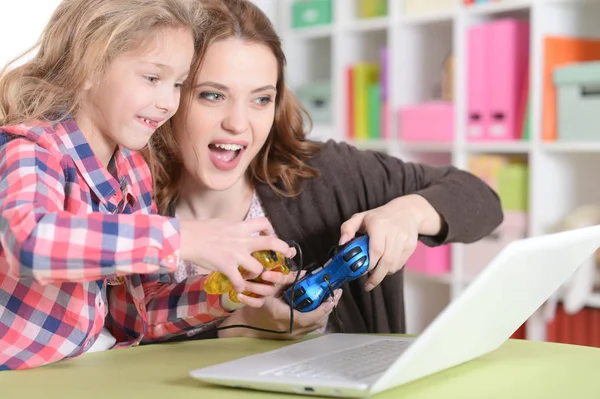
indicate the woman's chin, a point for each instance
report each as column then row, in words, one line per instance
column 219, row 182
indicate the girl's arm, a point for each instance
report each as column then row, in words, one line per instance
column 40, row 239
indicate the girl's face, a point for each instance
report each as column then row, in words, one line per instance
column 139, row 91
column 227, row 119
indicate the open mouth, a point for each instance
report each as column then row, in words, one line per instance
column 149, row 123
column 226, row 152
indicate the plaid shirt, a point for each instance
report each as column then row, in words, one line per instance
column 68, row 228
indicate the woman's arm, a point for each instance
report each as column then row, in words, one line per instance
column 418, row 201
column 468, row 208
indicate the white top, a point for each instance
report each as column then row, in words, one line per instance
column 187, row 269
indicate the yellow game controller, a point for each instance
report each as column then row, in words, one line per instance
column 217, row 283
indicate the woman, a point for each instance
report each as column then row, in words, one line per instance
column 237, row 149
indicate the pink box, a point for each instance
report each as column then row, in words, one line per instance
column 431, row 121
column 430, row 260
column 479, row 254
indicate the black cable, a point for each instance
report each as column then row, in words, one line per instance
column 300, row 268
column 335, row 316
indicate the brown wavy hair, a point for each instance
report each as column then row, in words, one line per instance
column 283, row 158
column 81, row 38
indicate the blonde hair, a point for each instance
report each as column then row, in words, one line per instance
column 283, row 158
column 78, row 43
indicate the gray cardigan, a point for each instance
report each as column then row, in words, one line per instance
column 353, row 181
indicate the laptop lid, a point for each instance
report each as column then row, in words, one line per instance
column 502, row 297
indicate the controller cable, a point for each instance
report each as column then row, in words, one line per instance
column 290, row 331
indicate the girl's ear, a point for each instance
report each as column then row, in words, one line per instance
column 87, row 85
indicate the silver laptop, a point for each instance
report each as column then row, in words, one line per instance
column 504, row 295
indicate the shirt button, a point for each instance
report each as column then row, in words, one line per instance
column 99, row 302
column 87, row 344
column 141, row 307
column 170, row 259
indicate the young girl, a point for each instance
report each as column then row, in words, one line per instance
column 75, row 198
column 238, row 150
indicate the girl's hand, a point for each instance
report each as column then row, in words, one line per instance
column 393, row 231
column 225, row 246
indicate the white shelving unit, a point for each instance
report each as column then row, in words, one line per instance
column 561, row 176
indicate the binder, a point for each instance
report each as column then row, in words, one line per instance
column 384, row 81
column 374, row 111
column 508, row 42
column 477, row 84
column 364, row 73
column 350, row 127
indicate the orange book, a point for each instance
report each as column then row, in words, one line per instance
column 579, row 332
column 594, row 325
column 564, row 329
column 520, row 333
column 552, row 328
column 560, row 51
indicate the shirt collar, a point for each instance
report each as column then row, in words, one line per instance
column 112, row 192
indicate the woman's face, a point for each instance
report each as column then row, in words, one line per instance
column 228, row 118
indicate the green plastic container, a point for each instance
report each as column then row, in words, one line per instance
column 316, row 99
column 372, row 8
column 513, row 184
column 306, row 13
column 578, row 101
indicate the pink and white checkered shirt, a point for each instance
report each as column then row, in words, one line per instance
column 69, row 226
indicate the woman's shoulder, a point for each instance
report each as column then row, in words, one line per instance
column 342, row 157
column 331, row 152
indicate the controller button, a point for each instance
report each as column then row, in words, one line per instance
column 299, row 292
column 358, row 264
column 273, row 255
column 352, row 253
column 304, row 304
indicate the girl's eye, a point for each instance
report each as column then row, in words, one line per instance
column 151, row 79
column 264, row 100
column 211, row 96
column 178, row 85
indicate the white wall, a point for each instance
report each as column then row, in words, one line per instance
column 269, row 7
column 22, row 24
column 16, row 37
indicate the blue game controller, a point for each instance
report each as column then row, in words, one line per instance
column 349, row 263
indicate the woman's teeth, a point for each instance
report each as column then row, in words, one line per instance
column 229, row 147
column 226, row 152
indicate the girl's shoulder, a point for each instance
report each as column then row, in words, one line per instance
column 45, row 135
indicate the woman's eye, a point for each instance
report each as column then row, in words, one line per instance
column 211, row 96
column 151, row 79
column 264, row 100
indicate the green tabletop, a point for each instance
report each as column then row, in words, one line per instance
column 519, row 369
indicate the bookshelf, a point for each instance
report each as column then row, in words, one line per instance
column 561, row 175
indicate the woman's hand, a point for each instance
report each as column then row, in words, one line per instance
column 275, row 314
column 224, row 246
column 393, row 231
